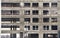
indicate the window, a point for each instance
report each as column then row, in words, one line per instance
column 12, row 27
column 9, row 26
column 6, row 4
column 16, row 4
column 27, row 19
column 26, row 4
column 35, row 20
column 45, row 19
column 6, row 12
column 34, row 4
column 45, row 35
column 35, row 35
column 27, row 27
column 10, row 19
column 54, row 4
column 10, row 4
column 45, row 4
column 35, row 27
column 46, row 27
column 12, row 35
column 10, row 12
column 54, row 27
column 5, row 35
column 35, row 12
column 15, row 12
column 50, row 35
column 45, row 12
column 27, row 12
column 54, row 19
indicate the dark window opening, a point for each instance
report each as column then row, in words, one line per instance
column 34, row 4
column 15, row 12
column 35, row 12
column 6, row 12
column 45, row 19
column 10, row 19
column 33, row 35
column 45, row 4
column 10, row 4
column 45, row 12
column 54, row 27
column 26, row 4
column 50, row 36
column 35, row 20
column 35, row 27
column 9, row 26
column 27, row 19
column 6, row 4
column 46, row 27
column 54, row 4
column 12, row 35
column 10, row 12
column 28, row 27
column 12, row 27
column 15, row 4
column 27, row 12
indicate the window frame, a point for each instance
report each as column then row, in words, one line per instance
column 35, row 27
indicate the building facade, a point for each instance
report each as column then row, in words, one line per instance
column 30, row 18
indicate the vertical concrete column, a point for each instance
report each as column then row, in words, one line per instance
column 22, row 19
column 40, row 35
column 50, row 4
column 50, row 27
column 31, row 15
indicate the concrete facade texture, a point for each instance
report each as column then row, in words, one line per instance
column 53, row 12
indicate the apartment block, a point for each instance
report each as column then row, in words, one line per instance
column 30, row 18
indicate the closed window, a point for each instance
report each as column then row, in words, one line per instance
column 35, row 20
column 45, row 4
column 27, row 12
column 53, row 4
column 45, row 19
column 35, row 12
column 27, row 19
column 33, row 35
column 10, row 4
column 5, row 35
column 46, row 27
column 15, row 12
column 26, row 4
column 6, row 4
column 10, row 12
column 35, row 5
column 45, row 12
column 13, row 35
column 15, row 4
column 54, row 27
column 35, row 27
column 10, row 19
column 6, row 12
column 12, row 27
column 27, row 27
column 50, row 35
